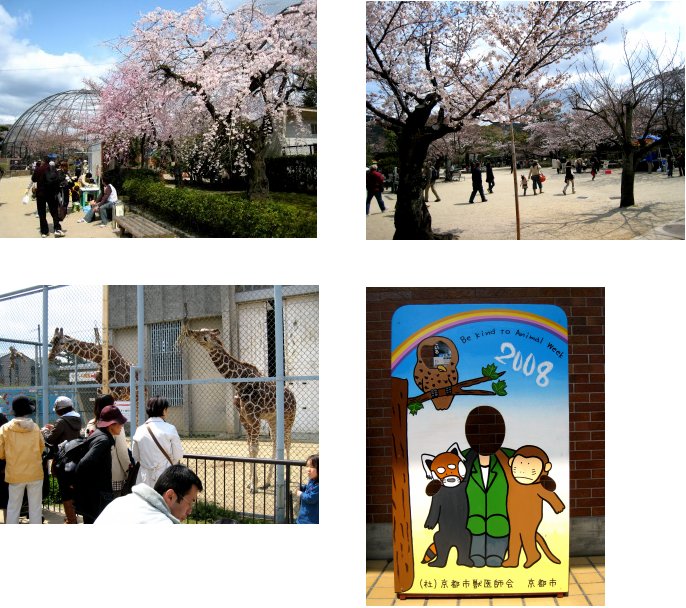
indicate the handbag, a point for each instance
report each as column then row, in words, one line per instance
column 130, row 481
column 542, row 177
column 159, row 446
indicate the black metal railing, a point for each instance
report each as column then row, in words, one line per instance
column 240, row 489
column 244, row 489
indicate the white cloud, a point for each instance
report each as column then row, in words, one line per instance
column 29, row 74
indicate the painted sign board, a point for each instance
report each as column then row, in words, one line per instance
column 481, row 450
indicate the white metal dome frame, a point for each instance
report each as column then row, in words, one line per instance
column 57, row 124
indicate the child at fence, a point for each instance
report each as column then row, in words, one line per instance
column 309, row 494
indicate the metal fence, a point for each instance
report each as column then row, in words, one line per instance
column 213, row 351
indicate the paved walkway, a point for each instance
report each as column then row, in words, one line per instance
column 17, row 220
column 593, row 212
column 586, row 588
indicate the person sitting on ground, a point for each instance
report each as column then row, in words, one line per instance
column 170, row 502
column 108, row 199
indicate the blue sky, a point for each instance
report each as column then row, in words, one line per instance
column 478, row 347
column 47, row 49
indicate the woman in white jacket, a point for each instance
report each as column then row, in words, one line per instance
column 156, row 444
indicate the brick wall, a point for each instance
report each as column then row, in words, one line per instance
column 585, row 309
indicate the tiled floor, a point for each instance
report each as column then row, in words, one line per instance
column 586, row 588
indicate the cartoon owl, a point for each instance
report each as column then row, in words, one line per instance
column 436, row 368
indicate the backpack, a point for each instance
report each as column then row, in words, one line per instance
column 69, row 454
column 52, row 179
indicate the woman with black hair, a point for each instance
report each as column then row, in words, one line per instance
column 156, row 444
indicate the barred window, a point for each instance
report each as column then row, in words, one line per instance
column 165, row 361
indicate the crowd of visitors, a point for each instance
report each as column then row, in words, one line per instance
column 98, row 476
column 93, row 466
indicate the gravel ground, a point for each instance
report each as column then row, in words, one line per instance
column 591, row 213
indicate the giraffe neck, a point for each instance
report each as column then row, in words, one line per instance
column 230, row 367
column 85, row 350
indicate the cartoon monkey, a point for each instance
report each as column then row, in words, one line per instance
column 528, row 486
column 449, row 473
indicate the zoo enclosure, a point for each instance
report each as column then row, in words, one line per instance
column 272, row 328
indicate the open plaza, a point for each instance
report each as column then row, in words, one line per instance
column 593, row 212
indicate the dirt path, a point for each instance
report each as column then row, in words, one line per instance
column 17, row 220
column 592, row 213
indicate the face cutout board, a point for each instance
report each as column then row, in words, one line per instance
column 481, row 450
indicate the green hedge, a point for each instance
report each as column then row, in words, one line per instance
column 212, row 214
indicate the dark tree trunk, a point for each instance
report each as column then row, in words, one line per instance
column 628, row 173
column 628, row 158
column 412, row 218
column 258, row 183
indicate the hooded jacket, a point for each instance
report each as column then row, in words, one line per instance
column 21, row 446
column 142, row 506
column 67, row 427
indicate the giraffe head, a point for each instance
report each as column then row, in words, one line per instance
column 56, row 344
column 209, row 339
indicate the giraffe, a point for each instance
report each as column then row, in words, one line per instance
column 118, row 366
column 15, row 356
column 255, row 401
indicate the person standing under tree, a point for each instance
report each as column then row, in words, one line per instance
column 477, row 183
column 47, row 186
column 535, row 176
column 569, row 177
column 490, row 180
column 375, row 182
column 430, row 176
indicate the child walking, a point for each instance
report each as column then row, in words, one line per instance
column 309, row 494
column 524, row 184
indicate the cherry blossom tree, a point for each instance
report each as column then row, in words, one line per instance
column 649, row 100
column 432, row 66
column 229, row 78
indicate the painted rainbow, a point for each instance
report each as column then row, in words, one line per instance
column 475, row 316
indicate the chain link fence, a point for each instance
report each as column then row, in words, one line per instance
column 200, row 344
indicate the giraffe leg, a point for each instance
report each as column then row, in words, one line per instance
column 252, row 428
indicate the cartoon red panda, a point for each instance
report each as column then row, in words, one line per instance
column 449, row 507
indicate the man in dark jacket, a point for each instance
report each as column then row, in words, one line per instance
column 477, row 183
column 67, row 427
column 93, row 489
column 47, row 186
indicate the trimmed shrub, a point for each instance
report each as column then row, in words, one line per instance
column 213, row 214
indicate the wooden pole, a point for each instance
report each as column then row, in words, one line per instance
column 403, row 566
column 514, row 167
column 105, row 341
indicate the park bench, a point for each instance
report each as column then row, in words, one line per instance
column 139, row 227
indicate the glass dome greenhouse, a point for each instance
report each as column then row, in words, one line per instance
column 59, row 124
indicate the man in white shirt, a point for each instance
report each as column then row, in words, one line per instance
column 169, row 502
